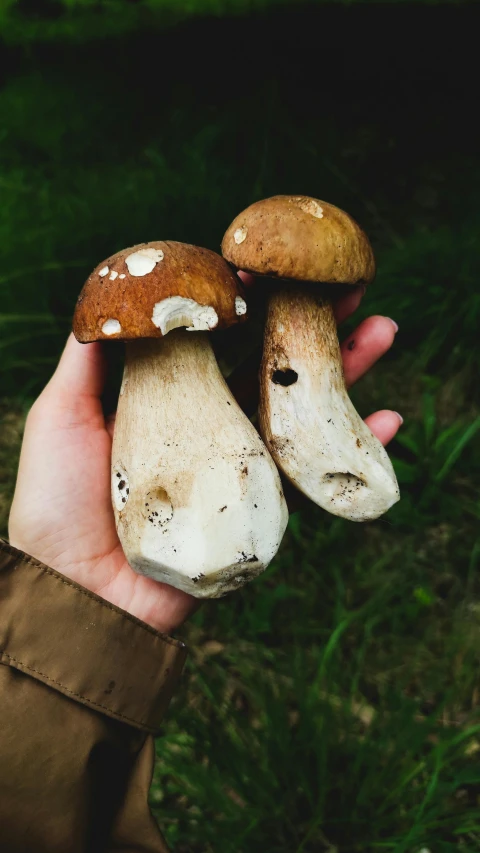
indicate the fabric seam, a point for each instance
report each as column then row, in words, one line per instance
column 92, row 596
column 77, row 695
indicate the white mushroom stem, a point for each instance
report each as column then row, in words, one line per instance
column 307, row 419
column 197, row 498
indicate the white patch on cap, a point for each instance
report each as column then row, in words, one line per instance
column 111, row 327
column 179, row 311
column 240, row 235
column 143, row 261
column 104, row 271
column 309, row 205
column 113, row 275
column 122, row 275
column 240, row 306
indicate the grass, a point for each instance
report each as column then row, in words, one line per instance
column 341, row 712
column 333, row 705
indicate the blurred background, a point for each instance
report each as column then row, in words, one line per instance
column 332, row 705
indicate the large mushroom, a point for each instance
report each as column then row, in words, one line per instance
column 197, row 498
column 306, row 417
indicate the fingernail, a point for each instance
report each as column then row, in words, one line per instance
column 394, row 324
column 399, row 417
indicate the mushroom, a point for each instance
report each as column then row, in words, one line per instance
column 306, row 417
column 197, row 498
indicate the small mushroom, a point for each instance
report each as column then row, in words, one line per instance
column 306, row 417
column 197, row 498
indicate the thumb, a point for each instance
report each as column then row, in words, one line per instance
column 81, row 372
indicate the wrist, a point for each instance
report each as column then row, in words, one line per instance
column 163, row 608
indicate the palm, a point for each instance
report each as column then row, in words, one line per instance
column 62, row 512
column 67, row 449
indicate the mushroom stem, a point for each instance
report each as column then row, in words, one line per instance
column 197, row 498
column 307, row 419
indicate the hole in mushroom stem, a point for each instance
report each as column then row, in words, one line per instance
column 345, row 475
column 284, row 377
column 159, row 509
column 342, row 485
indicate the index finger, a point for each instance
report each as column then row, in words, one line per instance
column 348, row 304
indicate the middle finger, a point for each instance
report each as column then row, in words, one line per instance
column 366, row 345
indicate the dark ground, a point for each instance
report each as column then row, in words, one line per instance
column 362, row 733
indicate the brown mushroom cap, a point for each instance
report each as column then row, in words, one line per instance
column 300, row 238
column 124, row 297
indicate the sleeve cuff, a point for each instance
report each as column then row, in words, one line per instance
column 54, row 630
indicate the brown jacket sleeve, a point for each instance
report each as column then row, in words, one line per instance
column 83, row 687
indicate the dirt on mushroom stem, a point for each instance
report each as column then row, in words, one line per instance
column 197, row 497
column 306, row 418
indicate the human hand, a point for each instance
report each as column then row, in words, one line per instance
column 62, row 513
